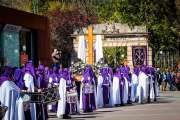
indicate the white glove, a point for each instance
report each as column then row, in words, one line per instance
column 122, row 83
column 130, row 84
column 152, row 81
column 101, row 89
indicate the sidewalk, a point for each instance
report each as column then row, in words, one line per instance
column 167, row 107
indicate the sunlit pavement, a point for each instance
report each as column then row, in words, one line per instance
column 167, row 107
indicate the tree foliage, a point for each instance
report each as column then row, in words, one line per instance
column 114, row 53
column 160, row 16
column 62, row 24
column 23, row 5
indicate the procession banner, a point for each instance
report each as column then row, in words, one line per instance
column 139, row 55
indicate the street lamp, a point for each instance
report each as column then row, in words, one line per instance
column 108, row 59
column 161, row 52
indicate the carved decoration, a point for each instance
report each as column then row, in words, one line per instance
column 110, row 28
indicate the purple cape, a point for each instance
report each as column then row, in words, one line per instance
column 88, row 74
column 60, row 71
column 126, row 73
column 136, row 71
column 65, row 74
column 104, row 73
column 94, row 76
column 29, row 66
column 118, row 74
column 40, row 74
column 146, row 70
column 55, row 74
column 6, row 75
column 143, row 69
column 111, row 71
column 18, row 76
column 122, row 69
column 47, row 73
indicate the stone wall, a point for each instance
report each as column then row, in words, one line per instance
column 116, row 34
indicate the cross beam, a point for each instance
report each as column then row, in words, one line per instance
column 90, row 37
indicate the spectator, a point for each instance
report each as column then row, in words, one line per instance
column 178, row 81
column 158, row 74
column 164, row 78
column 170, row 78
column 166, row 72
column 56, row 58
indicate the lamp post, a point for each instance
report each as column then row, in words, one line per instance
column 72, row 66
column 108, row 59
column 122, row 56
column 161, row 52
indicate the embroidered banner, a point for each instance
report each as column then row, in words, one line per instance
column 139, row 55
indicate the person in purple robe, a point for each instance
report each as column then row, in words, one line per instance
column 94, row 77
column 10, row 95
column 110, row 71
column 54, row 79
column 135, row 79
column 122, row 69
column 122, row 87
column 31, row 83
column 104, row 82
column 117, row 88
column 42, row 84
column 47, row 73
column 88, row 100
column 60, row 71
column 141, row 67
column 128, row 76
column 152, row 76
column 74, row 106
column 146, row 72
column 18, row 79
column 63, row 106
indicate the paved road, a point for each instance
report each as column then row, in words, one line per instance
column 167, row 107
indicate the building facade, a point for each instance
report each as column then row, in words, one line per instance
column 24, row 36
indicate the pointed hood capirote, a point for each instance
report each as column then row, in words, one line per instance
column 88, row 75
column 126, row 73
column 118, row 73
column 55, row 74
column 6, row 75
column 29, row 68
column 65, row 74
column 18, row 76
column 47, row 73
column 104, row 73
column 136, row 71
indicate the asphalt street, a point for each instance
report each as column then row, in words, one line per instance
column 167, row 107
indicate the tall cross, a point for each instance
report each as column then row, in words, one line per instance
column 90, row 37
column 125, row 63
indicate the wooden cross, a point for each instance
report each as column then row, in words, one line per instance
column 125, row 63
column 90, row 37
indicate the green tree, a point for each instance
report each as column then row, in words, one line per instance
column 23, row 5
column 160, row 16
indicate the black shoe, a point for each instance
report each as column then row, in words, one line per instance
column 89, row 111
column 122, row 104
column 129, row 103
column 84, row 111
column 66, row 116
column 155, row 100
column 77, row 113
column 115, row 105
